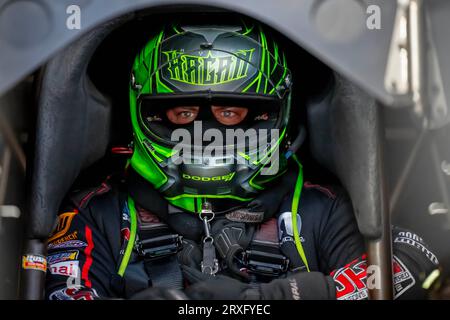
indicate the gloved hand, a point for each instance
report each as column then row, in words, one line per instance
column 300, row 286
column 218, row 288
column 414, row 262
column 190, row 255
column 230, row 239
column 438, row 284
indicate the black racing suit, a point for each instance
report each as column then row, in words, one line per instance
column 87, row 248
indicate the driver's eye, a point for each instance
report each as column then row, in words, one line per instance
column 182, row 115
column 229, row 115
column 186, row 114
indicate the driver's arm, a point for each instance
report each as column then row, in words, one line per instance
column 412, row 260
column 81, row 261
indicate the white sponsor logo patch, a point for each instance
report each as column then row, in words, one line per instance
column 66, row 268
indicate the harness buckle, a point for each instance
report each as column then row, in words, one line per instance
column 160, row 246
column 264, row 263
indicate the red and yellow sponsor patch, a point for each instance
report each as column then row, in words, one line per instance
column 63, row 225
column 34, row 262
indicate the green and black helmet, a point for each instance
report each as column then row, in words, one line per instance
column 205, row 66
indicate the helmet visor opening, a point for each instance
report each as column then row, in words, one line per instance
column 159, row 115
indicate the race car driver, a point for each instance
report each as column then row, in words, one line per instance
column 200, row 215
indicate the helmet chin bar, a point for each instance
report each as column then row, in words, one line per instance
column 200, row 174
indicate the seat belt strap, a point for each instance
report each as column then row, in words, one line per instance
column 158, row 248
column 165, row 272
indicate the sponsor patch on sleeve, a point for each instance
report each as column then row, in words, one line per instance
column 65, row 268
column 67, row 244
column 75, row 293
column 62, row 256
column 403, row 280
column 62, row 225
column 415, row 241
column 65, row 238
column 351, row 281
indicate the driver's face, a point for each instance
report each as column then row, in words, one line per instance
column 226, row 115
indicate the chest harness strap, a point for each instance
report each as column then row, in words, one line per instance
column 157, row 246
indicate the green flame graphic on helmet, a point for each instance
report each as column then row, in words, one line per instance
column 181, row 60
